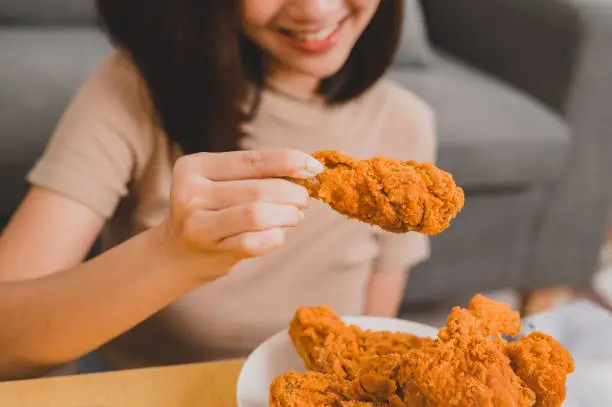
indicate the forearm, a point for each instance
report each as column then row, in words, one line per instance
column 58, row 318
column 385, row 293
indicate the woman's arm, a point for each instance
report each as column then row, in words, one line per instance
column 53, row 310
column 48, row 232
column 386, row 293
column 223, row 208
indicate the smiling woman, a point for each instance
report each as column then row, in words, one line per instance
column 313, row 40
column 200, row 57
column 208, row 251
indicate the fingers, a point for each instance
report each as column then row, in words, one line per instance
column 254, row 244
column 232, row 193
column 198, row 193
column 214, row 226
column 242, row 165
column 237, row 201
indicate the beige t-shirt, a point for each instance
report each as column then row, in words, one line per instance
column 109, row 155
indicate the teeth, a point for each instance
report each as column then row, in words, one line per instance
column 315, row 36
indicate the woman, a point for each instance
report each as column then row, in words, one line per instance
column 268, row 77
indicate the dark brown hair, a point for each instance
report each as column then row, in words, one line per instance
column 199, row 65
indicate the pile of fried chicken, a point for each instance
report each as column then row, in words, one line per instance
column 397, row 196
column 470, row 363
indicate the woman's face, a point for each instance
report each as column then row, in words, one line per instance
column 306, row 40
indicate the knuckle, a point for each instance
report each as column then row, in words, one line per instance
column 251, row 161
column 286, row 158
column 257, row 192
column 181, row 200
column 191, row 164
column 191, row 231
column 184, row 201
column 191, row 192
column 273, row 239
column 181, row 180
column 210, row 194
column 255, row 215
column 249, row 246
column 258, row 244
column 295, row 194
column 278, row 238
column 183, row 163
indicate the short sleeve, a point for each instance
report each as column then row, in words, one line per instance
column 401, row 252
column 411, row 134
column 92, row 153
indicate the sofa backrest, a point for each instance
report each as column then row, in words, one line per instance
column 414, row 48
column 47, row 12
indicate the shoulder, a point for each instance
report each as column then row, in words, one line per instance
column 396, row 99
column 117, row 79
column 115, row 99
column 406, row 122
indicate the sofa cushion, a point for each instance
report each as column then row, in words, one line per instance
column 41, row 71
column 47, row 11
column 490, row 135
column 414, row 48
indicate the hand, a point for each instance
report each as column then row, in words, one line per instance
column 226, row 207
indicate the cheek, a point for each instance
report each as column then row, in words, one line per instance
column 258, row 13
column 368, row 7
column 365, row 8
column 366, row 4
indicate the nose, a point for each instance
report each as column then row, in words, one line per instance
column 313, row 11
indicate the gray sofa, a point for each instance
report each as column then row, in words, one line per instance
column 521, row 90
column 523, row 93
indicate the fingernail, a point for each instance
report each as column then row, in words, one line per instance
column 313, row 168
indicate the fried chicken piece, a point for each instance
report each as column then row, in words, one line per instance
column 397, row 196
column 543, row 364
column 309, row 328
column 308, row 389
column 470, row 371
column 377, row 381
column 458, row 369
column 311, row 389
column 468, row 364
column 320, row 336
column 483, row 316
column 380, row 343
column 328, row 345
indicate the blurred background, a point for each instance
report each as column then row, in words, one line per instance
column 522, row 92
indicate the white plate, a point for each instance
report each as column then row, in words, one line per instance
column 277, row 356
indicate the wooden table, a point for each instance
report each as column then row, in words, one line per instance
column 198, row 385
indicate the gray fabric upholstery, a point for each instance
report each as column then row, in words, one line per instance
column 41, row 70
column 510, row 139
column 485, row 248
column 534, row 45
column 47, row 11
column 564, row 49
column 414, row 48
column 574, row 227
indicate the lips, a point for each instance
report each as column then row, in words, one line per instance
column 313, row 36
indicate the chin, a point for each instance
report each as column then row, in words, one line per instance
column 322, row 74
column 321, row 69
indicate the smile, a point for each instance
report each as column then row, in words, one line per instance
column 313, row 36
